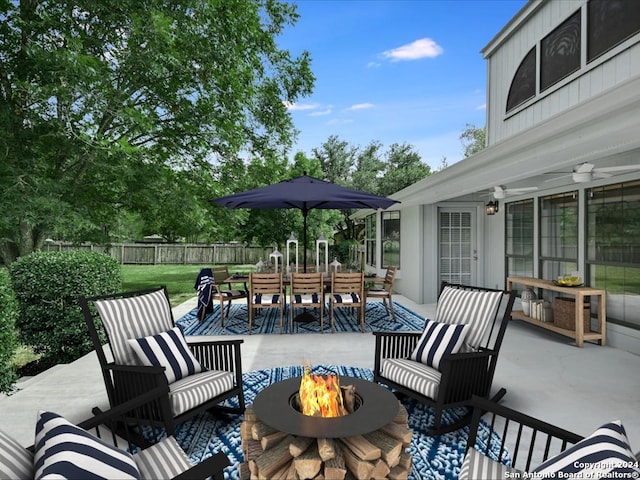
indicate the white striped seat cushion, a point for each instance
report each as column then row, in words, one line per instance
column 16, row 462
column 194, row 390
column 63, row 450
column 306, row 299
column 169, row 350
column 260, row 299
column 436, row 340
column 162, row 461
column 474, row 308
column 134, row 317
column 345, row 298
column 603, row 454
column 477, row 466
column 413, row 375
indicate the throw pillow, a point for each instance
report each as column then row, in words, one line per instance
column 470, row 307
column 603, row 454
column 16, row 462
column 477, row 466
column 63, row 450
column 169, row 350
column 162, row 461
column 436, row 340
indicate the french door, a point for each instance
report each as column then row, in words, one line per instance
column 457, row 245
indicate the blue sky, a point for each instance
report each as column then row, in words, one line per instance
column 405, row 71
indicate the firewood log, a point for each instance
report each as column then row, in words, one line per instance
column 402, row 417
column 259, row 430
column 398, row 473
column 360, row 446
column 272, row 439
column 335, row 468
column 349, row 397
column 308, row 464
column 326, row 448
column 249, row 414
column 380, row 470
column 274, row 459
column 359, row 468
column 299, row 445
column 399, row 432
column 405, row 461
column 390, row 447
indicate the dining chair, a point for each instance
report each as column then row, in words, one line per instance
column 223, row 291
column 347, row 290
column 306, row 291
column 383, row 289
column 266, row 290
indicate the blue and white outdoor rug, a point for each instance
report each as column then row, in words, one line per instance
column 437, row 457
column 268, row 321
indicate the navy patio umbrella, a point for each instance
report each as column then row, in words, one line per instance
column 305, row 193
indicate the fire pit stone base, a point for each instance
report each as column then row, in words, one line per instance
column 272, row 455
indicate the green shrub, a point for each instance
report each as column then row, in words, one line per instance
column 47, row 286
column 8, row 315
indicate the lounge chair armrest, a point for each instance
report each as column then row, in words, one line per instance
column 393, row 345
column 466, row 374
column 209, row 467
column 219, row 355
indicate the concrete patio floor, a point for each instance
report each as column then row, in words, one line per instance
column 545, row 375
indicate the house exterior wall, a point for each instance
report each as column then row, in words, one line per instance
column 506, row 53
column 410, row 276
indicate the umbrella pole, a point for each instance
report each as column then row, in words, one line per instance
column 305, row 316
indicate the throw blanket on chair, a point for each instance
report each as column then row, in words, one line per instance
column 205, row 287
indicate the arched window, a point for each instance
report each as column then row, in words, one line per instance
column 523, row 85
column 560, row 52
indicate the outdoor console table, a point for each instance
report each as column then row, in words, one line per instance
column 579, row 293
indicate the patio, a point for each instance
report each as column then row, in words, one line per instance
column 545, row 376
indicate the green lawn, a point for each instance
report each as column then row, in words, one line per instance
column 179, row 279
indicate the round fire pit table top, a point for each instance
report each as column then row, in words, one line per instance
column 273, row 407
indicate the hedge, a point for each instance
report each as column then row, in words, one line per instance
column 8, row 343
column 47, row 287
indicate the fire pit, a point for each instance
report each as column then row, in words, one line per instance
column 276, row 406
column 369, row 439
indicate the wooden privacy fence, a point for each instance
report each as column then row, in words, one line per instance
column 160, row 253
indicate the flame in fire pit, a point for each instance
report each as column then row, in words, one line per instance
column 320, row 396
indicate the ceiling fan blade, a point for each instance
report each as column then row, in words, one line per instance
column 559, row 177
column 583, row 168
column 620, row 168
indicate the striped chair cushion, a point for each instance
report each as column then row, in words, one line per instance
column 162, row 461
column 16, row 462
column 260, row 299
column 474, row 308
column 194, row 390
column 169, row 350
column 477, row 466
column 436, row 340
column 603, row 454
column 63, row 450
column 134, row 317
column 413, row 375
column 346, row 298
column 306, row 299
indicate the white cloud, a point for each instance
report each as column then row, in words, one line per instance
column 339, row 121
column 482, row 107
column 321, row 113
column 422, row 48
column 300, row 106
column 360, row 106
column 373, row 64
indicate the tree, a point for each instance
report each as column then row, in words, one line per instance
column 473, row 140
column 93, row 92
column 404, row 167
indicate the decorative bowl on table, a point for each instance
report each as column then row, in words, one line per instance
column 569, row 281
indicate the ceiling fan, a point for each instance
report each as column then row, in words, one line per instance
column 500, row 191
column 586, row 172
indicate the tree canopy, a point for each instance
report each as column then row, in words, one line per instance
column 98, row 99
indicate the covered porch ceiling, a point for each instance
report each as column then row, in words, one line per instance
column 604, row 131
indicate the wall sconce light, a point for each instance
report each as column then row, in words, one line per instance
column 491, row 208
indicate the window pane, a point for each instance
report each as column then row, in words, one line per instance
column 559, row 227
column 519, row 238
column 560, row 52
column 391, row 239
column 523, row 85
column 613, row 248
column 609, row 24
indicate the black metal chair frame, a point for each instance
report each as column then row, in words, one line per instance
column 464, row 374
column 525, row 440
column 126, row 382
column 125, row 423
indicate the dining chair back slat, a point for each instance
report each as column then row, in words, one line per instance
column 347, row 290
column 306, row 291
column 266, row 290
